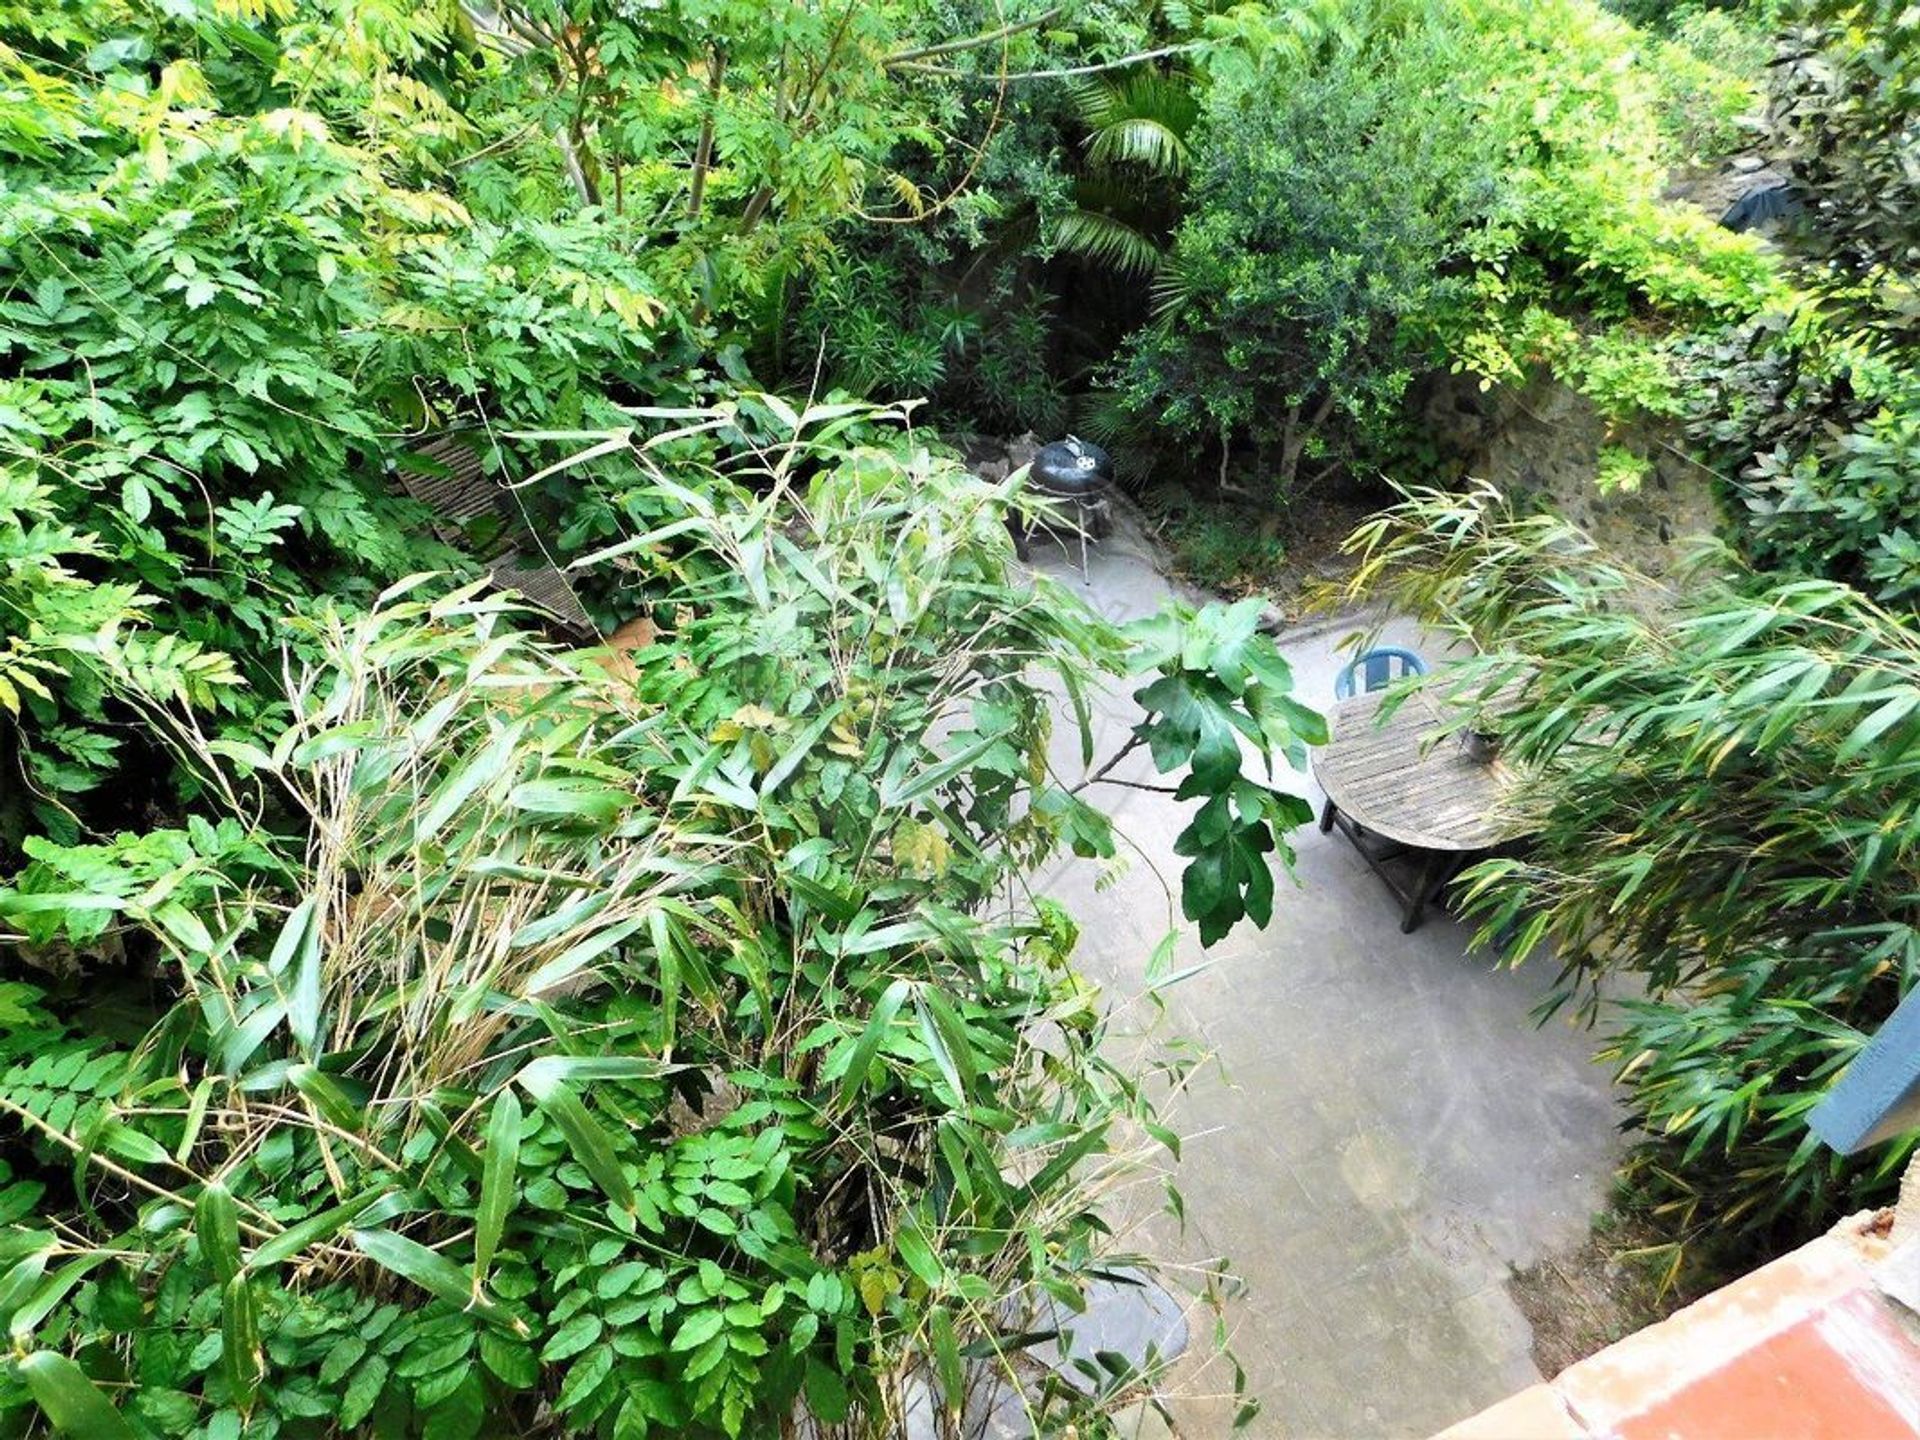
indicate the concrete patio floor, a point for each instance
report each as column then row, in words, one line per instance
column 1383, row 1132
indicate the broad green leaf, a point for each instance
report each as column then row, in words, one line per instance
column 573, row 1337
column 585, row 1376
column 363, row 1392
column 698, row 1328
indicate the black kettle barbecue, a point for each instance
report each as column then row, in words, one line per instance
column 1077, row 476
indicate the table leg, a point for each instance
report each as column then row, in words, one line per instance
column 1326, row 816
column 1425, row 887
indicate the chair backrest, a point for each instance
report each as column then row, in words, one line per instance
column 1375, row 670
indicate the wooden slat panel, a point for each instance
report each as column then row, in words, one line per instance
column 446, row 476
column 545, row 587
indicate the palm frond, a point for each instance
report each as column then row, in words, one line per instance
column 1172, row 288
column 1103, row 240
column 1139, row 141
column 1141, row 118
column 1103, row 417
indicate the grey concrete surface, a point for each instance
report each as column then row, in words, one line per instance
column 1382, row 1131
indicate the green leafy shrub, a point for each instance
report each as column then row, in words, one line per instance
column 1816, row 436
column 1326, row 201
column 639, row 1047
column 1708, row 68
column 1225, row 548
column 1382, row 189
column 1843, row 106
column 224, row 327
column 67, row 639
column 1722, row 807
column 1812, row 418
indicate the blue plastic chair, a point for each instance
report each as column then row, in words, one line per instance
column 1375, row 670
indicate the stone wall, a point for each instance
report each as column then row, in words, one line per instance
column 1545, row 440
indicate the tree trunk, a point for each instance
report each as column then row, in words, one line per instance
column 1293, row 439
column 703, row 151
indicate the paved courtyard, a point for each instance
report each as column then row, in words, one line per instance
column 1383, row 1131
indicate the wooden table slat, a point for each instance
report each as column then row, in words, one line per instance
column 1405, row 780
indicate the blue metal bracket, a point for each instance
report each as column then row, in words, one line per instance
column 1879, row 1096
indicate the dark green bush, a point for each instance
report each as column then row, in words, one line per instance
column 1814, row 420
column 1382, row 190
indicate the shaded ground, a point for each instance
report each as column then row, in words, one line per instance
column 1581, row 1301
column 1384, row 1134
column 1237, row 548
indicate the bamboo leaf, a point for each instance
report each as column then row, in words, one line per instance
column 686, row 525
column 240, row 1339
column 1877, row 724
column 868, row 1045
column 496, row 1182
column 297, row 1238
column 292, row 936
column 585, row 1136
column 946, row 1037
column 19, row 1281
column 216, row 1223
column 71, row 1402
column 936, row 775
column 197, row 1105
column 612, row 443
column 550, row 1070
column 55, row 1288
column 797, row 753
column 919, row 1254
column 499, row 758
column 946, row 1359
column 327, row 1097
column 242, row 1042
column 432, row 1272
column 571, row 961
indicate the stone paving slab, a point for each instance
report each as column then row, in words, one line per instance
column 1383, row 1133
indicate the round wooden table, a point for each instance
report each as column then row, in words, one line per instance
column 1406, row 783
